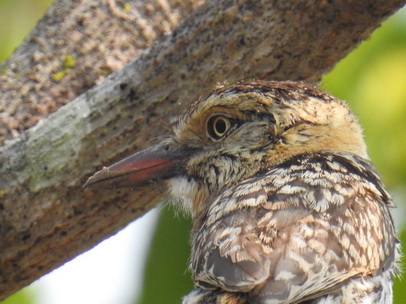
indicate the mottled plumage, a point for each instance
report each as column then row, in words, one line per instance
column 297, row 230
column 286, row 205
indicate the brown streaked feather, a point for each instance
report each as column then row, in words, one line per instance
column 296, row 230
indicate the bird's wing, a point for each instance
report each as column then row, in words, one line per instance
column 289, row 237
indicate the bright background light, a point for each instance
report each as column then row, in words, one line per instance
column 110, row 273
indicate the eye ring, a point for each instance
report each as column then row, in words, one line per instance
column 218, row 126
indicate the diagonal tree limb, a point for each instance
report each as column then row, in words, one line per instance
column 47, row 218
column 75, row 46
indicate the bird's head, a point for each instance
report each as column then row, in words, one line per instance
column 235, row 133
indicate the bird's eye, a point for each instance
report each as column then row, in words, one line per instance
column 218, row 126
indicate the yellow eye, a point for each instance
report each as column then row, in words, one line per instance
column 218, row 126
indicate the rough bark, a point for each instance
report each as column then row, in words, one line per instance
column 75, row 46
column 46, row 217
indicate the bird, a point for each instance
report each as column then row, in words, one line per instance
column 286, row 204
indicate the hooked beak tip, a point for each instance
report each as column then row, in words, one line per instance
column 101, row 176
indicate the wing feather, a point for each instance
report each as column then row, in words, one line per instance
column 300, row 232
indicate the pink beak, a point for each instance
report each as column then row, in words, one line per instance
column 155, row 163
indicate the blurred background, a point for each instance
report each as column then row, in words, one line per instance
column 147, row 261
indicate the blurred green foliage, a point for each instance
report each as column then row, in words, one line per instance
column 17, row 18
column 25, row 296
column 372, row 79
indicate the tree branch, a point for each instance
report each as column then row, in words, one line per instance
column 46, row 216
column 75, row 46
